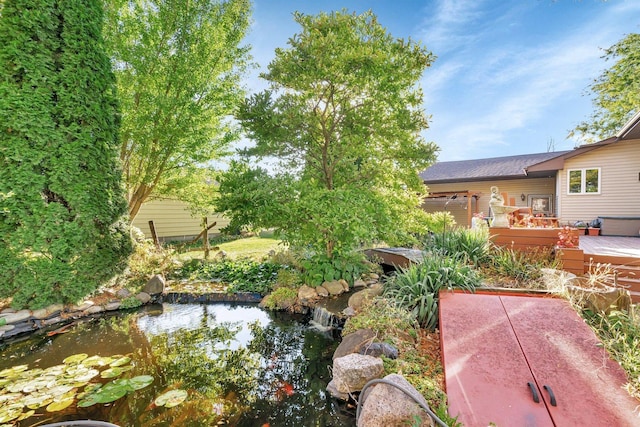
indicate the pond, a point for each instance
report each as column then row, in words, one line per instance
column 222, row 364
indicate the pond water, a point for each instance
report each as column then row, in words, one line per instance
column 239, row 365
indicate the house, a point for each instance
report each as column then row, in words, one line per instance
column 600, row 180
column 173, row 220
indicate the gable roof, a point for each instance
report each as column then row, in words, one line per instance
column 488, row 169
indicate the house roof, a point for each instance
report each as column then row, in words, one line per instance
column 488, row 169
column 526, row 165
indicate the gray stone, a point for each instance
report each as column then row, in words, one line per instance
column 322, row 291
column 113, row 305
column 7, row 310
column 81, row 307
column 52, row 321
column 353, row 342
column 353, row 371
column 377, row 349
column 6, row 328
column 357, row 300
column 307, row 294
column 348, row 312
column 601, row 299
column 333, row 391
column 49, row 311
column 385, row 405
column 94, row 309
column 123, row 293
column 143, row 297
column 155, row 285
column 17, row 317
column 334, row 287
column 359, row 283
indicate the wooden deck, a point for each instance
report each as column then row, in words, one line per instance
column 609, row 245
column 622, row 253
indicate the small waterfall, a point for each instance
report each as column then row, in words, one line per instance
column 324, row 320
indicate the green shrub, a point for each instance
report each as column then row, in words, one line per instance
column 63, row 231
column 416, row 288
column 130, row 302
column 472, row 245
column 244, row 275
column 524, row 267
column 320, row 268
column 438, row 222
column 619, row 332
column 387, row 320
column 280, row 299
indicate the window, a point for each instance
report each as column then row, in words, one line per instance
column 584, row 181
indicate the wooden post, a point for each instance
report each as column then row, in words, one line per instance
column 154, row 235
column 205, row 237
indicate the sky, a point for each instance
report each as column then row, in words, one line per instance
column 510, row 77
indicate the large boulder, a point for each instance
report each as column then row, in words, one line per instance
column 377, row 349
column 357, row 300
column 353, row 342
column 602, row 299
column 353, row 371
column 384, row 405
column 307, row 294
column 334, row 287
column 155, row 285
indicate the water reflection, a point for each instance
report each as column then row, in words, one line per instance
column 239, row 364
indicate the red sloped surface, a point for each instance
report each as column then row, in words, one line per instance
column 493, row 345
column 486, row 374
column 565, row 354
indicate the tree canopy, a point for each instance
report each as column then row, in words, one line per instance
column 62, row 204
column 178, row 66
column 616, row 92
column 343, row 117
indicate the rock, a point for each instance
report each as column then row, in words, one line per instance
column 357, row 300
column 307, row 294
column 155, row 285
column 123, row 293
column 377, row 349
column 6, row 328
column 334, row 287
column 348, row 312
column 7, row 310
column 333, row 391
column 112, row 305
column 359, row 283
column 385, row 405
column 602, row 299
column 143, row 297
column 374, row 276
column 49, row 311
column 345, row 285
column 322, row 291
column 17, row 317
column 52, row 321
column 353, row 342
column 353, row 371
column 376, row 289
column 94, row 309
column 220, row 255
column 80, row 307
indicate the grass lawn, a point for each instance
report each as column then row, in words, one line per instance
column 252, row 247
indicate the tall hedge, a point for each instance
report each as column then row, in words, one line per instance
column 62, row 203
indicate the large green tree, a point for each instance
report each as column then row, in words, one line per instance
column 61, row 228
column 344, row 117
column 178, row 66
column 616, row 92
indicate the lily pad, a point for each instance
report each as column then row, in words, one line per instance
column 171, row 398
column 111, row 373
column 56, row 406
column 9, row 414
column 26, row 415
column 108, row 395
column 76, row 358
column 89, row 400
column 119, row 362
column 12, row 371
column 97, row 361
column 37, row 401
column 140, row 381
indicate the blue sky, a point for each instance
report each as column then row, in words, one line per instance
column 510, row 75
